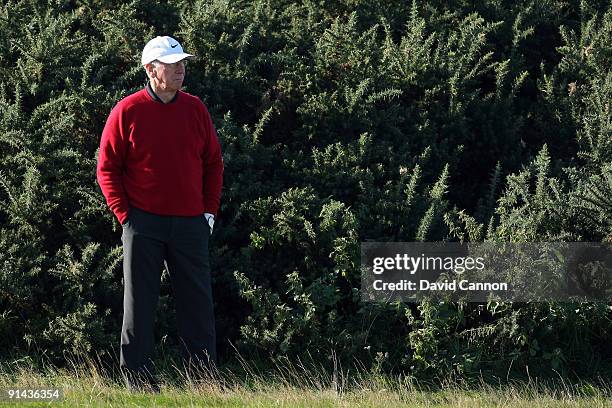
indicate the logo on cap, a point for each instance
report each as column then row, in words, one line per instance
column 174, row 46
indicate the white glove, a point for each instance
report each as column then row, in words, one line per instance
column 211, row 220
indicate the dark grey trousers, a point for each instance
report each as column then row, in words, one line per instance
column 149, row 240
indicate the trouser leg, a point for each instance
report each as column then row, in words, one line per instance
column 189, row 267
column 142, row 265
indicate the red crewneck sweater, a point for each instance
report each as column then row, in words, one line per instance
column 163, row 158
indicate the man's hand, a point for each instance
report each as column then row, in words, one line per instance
column 211, row 220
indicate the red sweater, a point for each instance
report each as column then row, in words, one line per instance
column 160, row 157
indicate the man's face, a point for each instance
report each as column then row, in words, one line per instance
column 169, row 77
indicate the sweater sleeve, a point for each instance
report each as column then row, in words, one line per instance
column 111, row 164
column 212, row 163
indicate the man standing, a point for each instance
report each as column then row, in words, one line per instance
column 160, row 170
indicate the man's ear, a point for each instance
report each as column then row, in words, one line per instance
column 151, row 71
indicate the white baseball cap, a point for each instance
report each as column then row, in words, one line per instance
column 165, row 49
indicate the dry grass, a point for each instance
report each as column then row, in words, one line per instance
column 290, row 384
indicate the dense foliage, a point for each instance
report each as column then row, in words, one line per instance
column 341, row 121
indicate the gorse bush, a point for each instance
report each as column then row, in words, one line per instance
column 340, row 122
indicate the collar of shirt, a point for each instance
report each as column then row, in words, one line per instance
column 157, row 98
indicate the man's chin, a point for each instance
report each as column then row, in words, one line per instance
column 174, row 88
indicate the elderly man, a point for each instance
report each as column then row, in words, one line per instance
column 160, row 170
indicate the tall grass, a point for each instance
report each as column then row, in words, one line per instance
column 88, row 382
